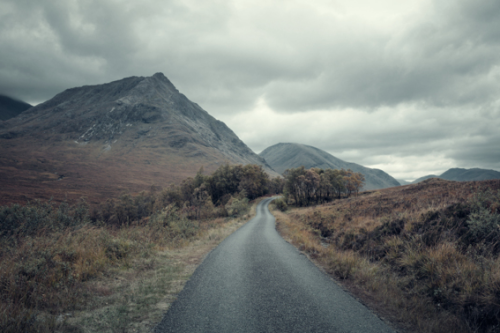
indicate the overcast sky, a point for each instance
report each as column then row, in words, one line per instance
column 411, row 87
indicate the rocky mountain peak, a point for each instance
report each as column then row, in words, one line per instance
column 125, row 119
column 105, row 112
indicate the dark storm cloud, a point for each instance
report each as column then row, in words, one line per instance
column 294, row 56
column 48, row 46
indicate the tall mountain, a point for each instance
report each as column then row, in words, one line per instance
column 283, row 156
column 462, row 175
column 102, row 139
column 9, row 107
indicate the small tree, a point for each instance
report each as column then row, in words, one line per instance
column 200, row 200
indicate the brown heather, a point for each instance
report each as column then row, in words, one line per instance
column 424, row 256
column 59, row 263
column 57, row 275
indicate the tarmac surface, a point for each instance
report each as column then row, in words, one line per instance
column 254, row 281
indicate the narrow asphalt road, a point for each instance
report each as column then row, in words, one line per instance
column 254, row 281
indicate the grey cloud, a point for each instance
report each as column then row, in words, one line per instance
column 446, row 58
column 297, row 59
column 438, row 138
column 443, row 61
column 49, row 46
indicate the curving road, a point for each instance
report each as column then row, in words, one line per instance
column 254, row 281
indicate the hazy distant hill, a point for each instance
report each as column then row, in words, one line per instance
column 403, row 182
column 9, row 107
column 283, row 156
column 470, row 174
column 100, row 140
column 418, row 180
column 462, row 175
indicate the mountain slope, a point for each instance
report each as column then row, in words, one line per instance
column 103, row 139
column 403, row 182
column 421, row 179
column 283, row 156
column 9, row 107
column 470, row 174
column 462, row 175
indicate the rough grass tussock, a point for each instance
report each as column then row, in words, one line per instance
column 60, row 271
column 425, row 255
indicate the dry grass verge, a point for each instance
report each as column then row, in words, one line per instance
column 136, row 297
column 102, row 279
column 424, row 256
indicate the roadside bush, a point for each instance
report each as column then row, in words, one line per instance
column 144, row 203
column 117, row 248
column 34, row 217
column 281, row 204
column 25, row 220
column 125, row 210
column 237, row 207
column 173, row 226
column 44, row 274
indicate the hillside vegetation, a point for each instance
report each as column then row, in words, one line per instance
column 117, row 266
column 425, row 255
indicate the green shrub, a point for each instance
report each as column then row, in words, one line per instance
column 172, row 225
column 26, row 220
column 183, row 229
column 38, row 216
column 118, row 248
column 484, row 219
column 237, row 207
column 281, row 204
column 483, row 224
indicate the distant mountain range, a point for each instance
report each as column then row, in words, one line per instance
column 463, row 175
column 9, row 107
column 99, row 140
column 284, row 156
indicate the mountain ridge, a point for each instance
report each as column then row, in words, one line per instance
column 127, row 134
column 283, row 156
column 461, row 174
column 11, row 107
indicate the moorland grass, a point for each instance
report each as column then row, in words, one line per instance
column 61, row 271
column 426, row 256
